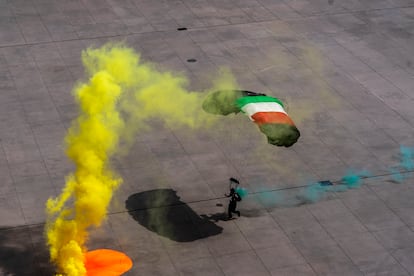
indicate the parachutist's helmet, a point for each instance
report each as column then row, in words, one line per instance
column 233, row 183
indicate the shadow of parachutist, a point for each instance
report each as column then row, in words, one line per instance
column 215, row 217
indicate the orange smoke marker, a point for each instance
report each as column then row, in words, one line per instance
column 106, row 262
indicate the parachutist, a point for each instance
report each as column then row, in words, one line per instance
column 234, row 198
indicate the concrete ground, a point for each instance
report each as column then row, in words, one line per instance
column 345, row 70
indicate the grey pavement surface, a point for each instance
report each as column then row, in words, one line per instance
column 345, row 70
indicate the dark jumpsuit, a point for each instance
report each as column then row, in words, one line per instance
column 234, row 197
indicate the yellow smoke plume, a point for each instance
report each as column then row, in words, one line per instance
column 319, row 94
column 121, row 93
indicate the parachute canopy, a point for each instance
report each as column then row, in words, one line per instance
column 266, row 111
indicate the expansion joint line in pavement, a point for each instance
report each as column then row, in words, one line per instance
column 336, row 182
column 199, row 28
